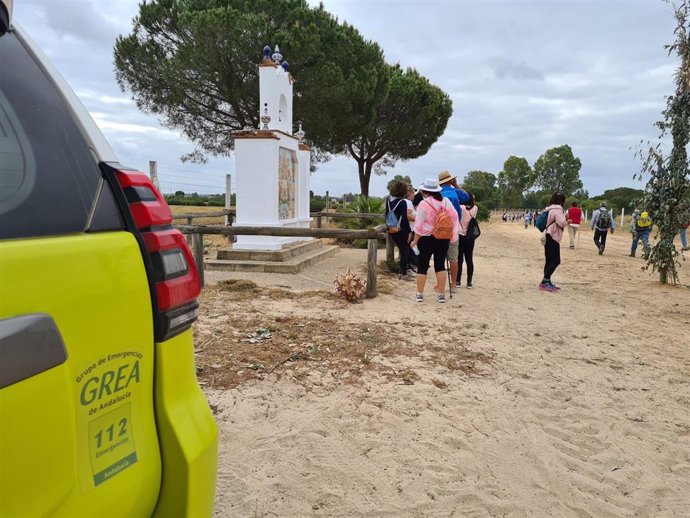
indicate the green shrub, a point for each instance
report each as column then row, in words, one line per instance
column 371, row 205
column 316, row 204
column 483, row 213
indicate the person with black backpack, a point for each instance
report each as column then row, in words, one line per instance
column 398, row 226
column 602, row 222
column 469, row 232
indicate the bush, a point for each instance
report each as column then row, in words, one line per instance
column 489, row 204
column 371, row 205
column 483, row 213
column 350, row 286
column 214, row 200
column 316, row 204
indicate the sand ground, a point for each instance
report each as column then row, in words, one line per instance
column 583, row 409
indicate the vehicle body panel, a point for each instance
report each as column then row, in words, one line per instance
column 95, row 289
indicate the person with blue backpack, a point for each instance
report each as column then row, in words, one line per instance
column 398, row 226
column 551, row 223
column 458, row 197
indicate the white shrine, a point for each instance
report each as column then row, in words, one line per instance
column 271, row 163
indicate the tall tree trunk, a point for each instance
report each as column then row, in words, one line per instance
column 363, row 179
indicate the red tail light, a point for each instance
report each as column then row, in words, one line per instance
column 146, row 204
column 173, row 272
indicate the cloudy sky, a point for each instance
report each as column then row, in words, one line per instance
column 524, row 76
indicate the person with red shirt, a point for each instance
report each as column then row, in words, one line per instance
column 575, row 216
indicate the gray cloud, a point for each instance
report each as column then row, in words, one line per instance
column 524, row 76
column 506, row 69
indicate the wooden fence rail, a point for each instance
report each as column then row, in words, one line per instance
column 334, row 215
column 372, row 234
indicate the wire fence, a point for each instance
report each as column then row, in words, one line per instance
column 190, row 188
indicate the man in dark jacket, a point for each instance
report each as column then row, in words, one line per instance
column 602, row 222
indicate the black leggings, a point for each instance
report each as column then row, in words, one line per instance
column 466, row 253
column 428, row 246
column 552, row 255
column 400, row 239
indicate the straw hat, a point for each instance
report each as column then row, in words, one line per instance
column 445, row 177
column 430, row 185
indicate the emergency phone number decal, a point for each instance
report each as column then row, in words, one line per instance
column 106, row 389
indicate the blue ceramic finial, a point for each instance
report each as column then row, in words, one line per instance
column 267, row 53
column 285, row 65
column 277, row 56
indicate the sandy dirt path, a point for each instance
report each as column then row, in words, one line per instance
column 584, row 410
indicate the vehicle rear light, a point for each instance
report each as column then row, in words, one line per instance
column 146, row 204
column 174, row 263
column 172, row 270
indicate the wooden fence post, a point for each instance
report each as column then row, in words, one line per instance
column 318, row 221
column 328, row 206
column 390, row 249
column 153, row 174
column 622, row 216
column 372, row 246
column 189, row 236
column 228, row 198
column 198, row 250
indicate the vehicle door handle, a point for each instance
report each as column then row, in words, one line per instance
column 29, row 344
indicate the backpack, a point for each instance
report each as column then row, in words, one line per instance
column 392, row 223
column 541, row 221
column 643, row 222
column 443, row 224
column 473, row 231
column 604, row 220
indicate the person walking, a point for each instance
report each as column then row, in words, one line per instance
column 457, row 196
column 555, row 223
column 426, row 243
column 633, row 230
column 602, row 222
column 643, row 228
column 397, row 205
column 575, row 216
column 466, row 243
column 411, row 214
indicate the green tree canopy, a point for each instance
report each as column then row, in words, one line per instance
column 668, row 186
column 558, row 170
column 514, row 180
column 622, row 198
column 194, row 64
column 399, row 178
column 411, row 116
column 481, row 184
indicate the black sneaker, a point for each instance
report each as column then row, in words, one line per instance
column 419, row 297
column 469, row 286
column 601, row 250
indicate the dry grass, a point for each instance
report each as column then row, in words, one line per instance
column 186, row 209
column 237, row 339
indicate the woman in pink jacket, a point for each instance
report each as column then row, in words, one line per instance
column 427, row 245
column 555, row 223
